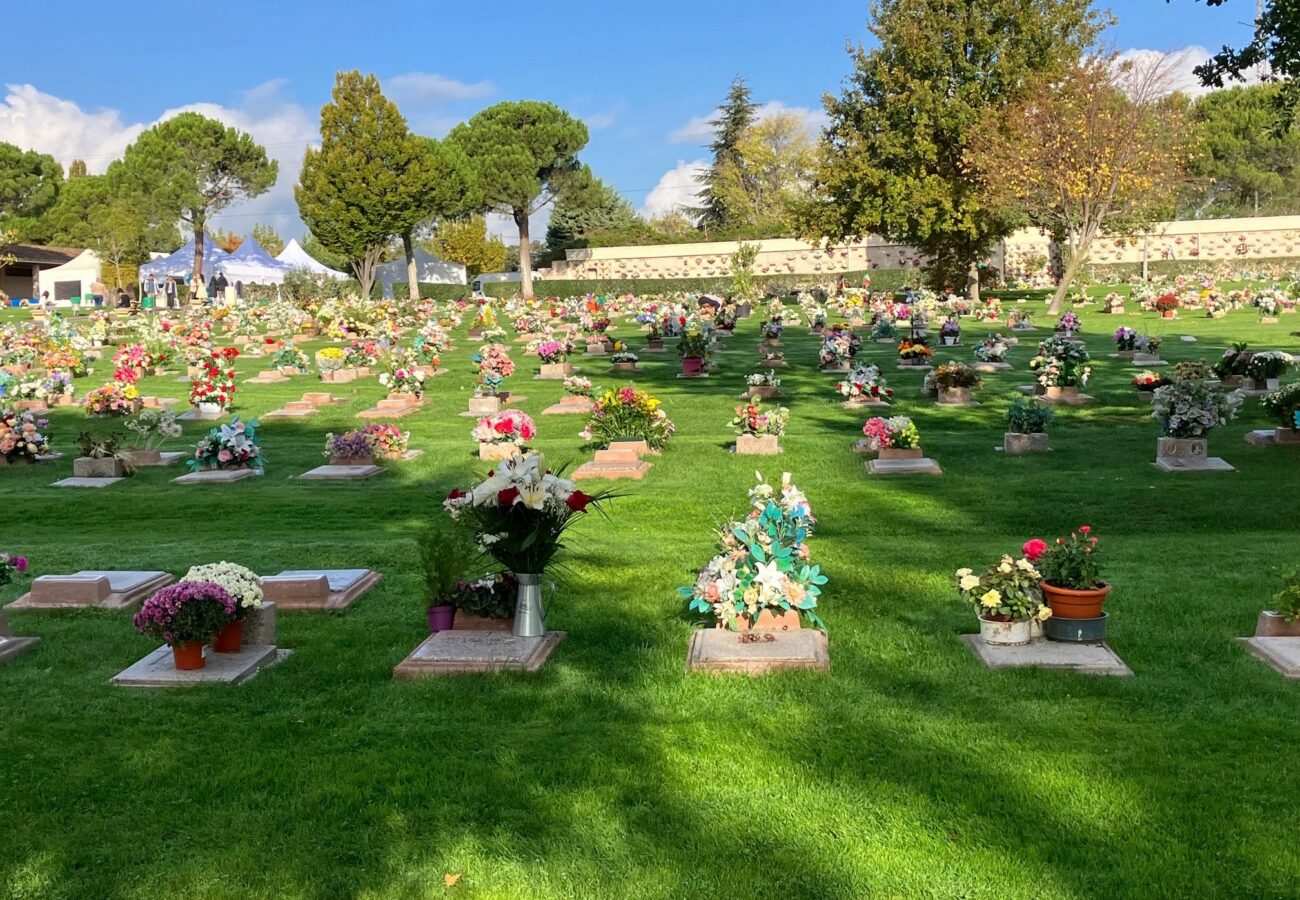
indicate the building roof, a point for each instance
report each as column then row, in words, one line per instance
column 36, row 255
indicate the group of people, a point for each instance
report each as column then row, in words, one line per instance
column 164, row 293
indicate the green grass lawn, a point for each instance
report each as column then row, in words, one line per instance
column 909, row 770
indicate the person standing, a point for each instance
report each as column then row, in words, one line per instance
column 200, row 291
column 97, row 292
column 169, row 291
column 150, row 286
column 219, row 284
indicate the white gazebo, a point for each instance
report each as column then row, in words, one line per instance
column 72, row 279
column 297, row 258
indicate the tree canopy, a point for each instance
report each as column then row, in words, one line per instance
column 767, row 177
column 268, row 238
column 29, row 186
column 467, row 242
column 592, row 207
column 733, row 119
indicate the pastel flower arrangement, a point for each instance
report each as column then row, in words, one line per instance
column 233, row 445
column 1061, row 363
column 240, row 583
column 388, row 440
column 1019, row 319
column 1068, row 322
column 552, row 351
column 1008, row 591
column 763, row 379
column 763, row 562
column 1191, row 409
column 577, row 386
column 493, row 363
column 509, row 426
column 839, row 346
column 22, row 435
column 950, row 328
column 402, row 378
column 628, row 413
column 894, row 433
column 753, row 419
column 185, row 612
column 993, row 348
column 362, row 354
column 113, row 398
column 771, row 330
column 51, row 388
column 865, row 383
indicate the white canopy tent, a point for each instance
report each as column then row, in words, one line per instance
column 428, row 268
column 72, row 279
column 253, row 265
column 295, row 257
column 181, row 263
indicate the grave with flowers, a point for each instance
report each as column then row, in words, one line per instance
column 228, row 453
column 896, row 442
column 625, row 425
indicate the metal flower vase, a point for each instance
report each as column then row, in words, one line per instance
column 530, row 614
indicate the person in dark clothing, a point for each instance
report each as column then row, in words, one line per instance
column 219, row 284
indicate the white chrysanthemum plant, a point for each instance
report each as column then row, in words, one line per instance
column 241, row 583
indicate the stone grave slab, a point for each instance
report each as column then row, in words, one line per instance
column 723, row 650
column 341, row 473
column 390, row 409
column 271, row 377
column 1282, row 653
column 569, row 406
column 922, row 466
column 91, row 588
column 321, row 398
column 316, row 589
column 195, row 415
column 1263, row 437
column 701, row 375
column 865, row 404
column 903, row 368
column 159, row 402
column 157, row 670
column 75, row 482
column 613, row 464
column 165, row 458
column 990, row 367
column 1087, row 659
column 1199, row 464
column 464, row 652
column 1076, row 400
column 215, row 476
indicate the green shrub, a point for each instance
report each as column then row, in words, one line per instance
column 1029, row 417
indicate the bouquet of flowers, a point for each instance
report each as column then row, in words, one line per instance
column 22, row 435
column 628, row 413
column 991, row 311
column 510, row 426
column 1235, row 361
column 65, row 359
column 577, row 386
column 1018, row 318
column 153, row 428
column 950, row 328
column 914, row 352
column 771, row 330
column 521, row 512
column 865, row 383
column 494, row 366
column 755, row 420
column 291, row 358
column 1190, row 409
column 1125, row 338
column 362, row 354
column 244, row 587
column 11, row 566
column 623, row 355
column 387, row 439
column 594, row 326
column 215, row 382
column 1069, row 322
column 956, row 375
column 1149, row 381
column 896, row 433
column 234, row 445
column 552, row 351
column 402, row 378
column 1061, row 363
column 131, row 356
column 354, row 445
column 1007, row 592
column 993, row 348
column 1147, row 344
column 330, row 359
column 763, row 561
column 185, row 612
column 763, row 379
column 111, row 399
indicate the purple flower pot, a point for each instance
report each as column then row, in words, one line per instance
column 441, row 618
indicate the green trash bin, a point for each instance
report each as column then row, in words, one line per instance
column 76, row 301
column 147, row 302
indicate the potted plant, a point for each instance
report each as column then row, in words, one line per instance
column 864, row 386
column 184, row 616
column 762, row 385
column 1284, row 619
column 1267, row 368
column 1147, row 382
column 1125, row 339
column 628, row 414
column 1072, row 584
column 1061, row 367
column 520, row 514
column 1234, row 365
column 444, row 557
column 1167, row 305
column 955, row 381
column 1187, row 411
column 487, row 604
column 893, row 438
column 883, row 330
column 1007, row 599
column 351, row 448
column 503, row 435
column 950, row 332
column 1284, row 406
column 23, row 438
column 758, row 430
column 763, row 577
column 243, row 586
column 290, row 361
column 99, row 457
column 235, row 445
column 693, row 350
column 623, row 359
column 330, row 363
column 1027, row 422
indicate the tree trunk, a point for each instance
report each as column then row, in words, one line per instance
column 364, row 269
column 412, row 276
column 973, row 284
column 525, row 255
column 197, row 274
column 1078, row 256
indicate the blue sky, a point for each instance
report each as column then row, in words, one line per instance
column 643, row 75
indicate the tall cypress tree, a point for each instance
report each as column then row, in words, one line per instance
column 734, row 117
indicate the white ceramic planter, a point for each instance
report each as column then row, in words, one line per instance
column 1005, row 634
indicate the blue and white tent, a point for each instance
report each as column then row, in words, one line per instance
column 181, row 263
column 253, row 265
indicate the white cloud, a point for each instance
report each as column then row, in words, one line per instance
column 429, row 89
column 699, row 131
column 1178, row 66
column 35, row 120
column 676, row 188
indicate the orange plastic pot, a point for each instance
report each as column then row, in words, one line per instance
column 1067, row 603
column 188, row 655
column 230, row 638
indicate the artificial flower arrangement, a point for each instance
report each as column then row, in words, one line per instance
column 1068, row 323
column 1113, row 301
column 552, row 351
column 1192, row 408
column 403, row 378
column 1235, row 361
column 51, row 389
column 111, row 399
column 577, row 386
column 428, row 350
column 954, row 375
column 65, row 359
column 510, row 426
column 991, row 311
column 290, row 358
column 914, row 352
column 1019, row 320
column 992, row 349
column 1125, row 339
column 153, row 428
column 771, row 330
column 349, row 448
column 895, row 433
column 215, row 381
column 242, row 584
column 883, row 329
column 234, row 445
column 362, row 354
column 865, row 383
column 521, row 511
column 131, row 356
column 763, row 379
column 1147, row 344
column 1149, row 381
column 763, row 562
column 594, row 326
column 628, row 413
column 389, row 441
column 1008, row 591
column 754, row 420
column 330, row 359
column 493, row 363
column 950, row 330
column 22, row 435
column 11, row 566
column 1061, row 363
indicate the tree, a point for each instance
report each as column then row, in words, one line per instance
column 1274, row 49
column 227, row 240
column 892, row 157
column 593, row 207
column 769, row 173
column 355, row 191
column 77, row 169
column 322, row 254
column 1105, row 147
column 734, row 117
column 268, row 238
column 95, row 212
column 466, row 241
column 29, row 186
column 438, row 187
column 523, row 155
column 1249, row 167
column 191, row 167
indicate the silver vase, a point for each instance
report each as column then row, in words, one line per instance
column 530, row 614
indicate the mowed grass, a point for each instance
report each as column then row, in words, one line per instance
column 909, row 770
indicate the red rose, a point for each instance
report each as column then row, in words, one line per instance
column 1034, row 548
column 456, row 494
column 507, row 497
column 578, row 501
column 1084, row 529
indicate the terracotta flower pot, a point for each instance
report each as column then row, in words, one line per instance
column 230, row 638
column 1067, row 603
column 188, row 656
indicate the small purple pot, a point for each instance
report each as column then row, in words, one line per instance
column 441, row 618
